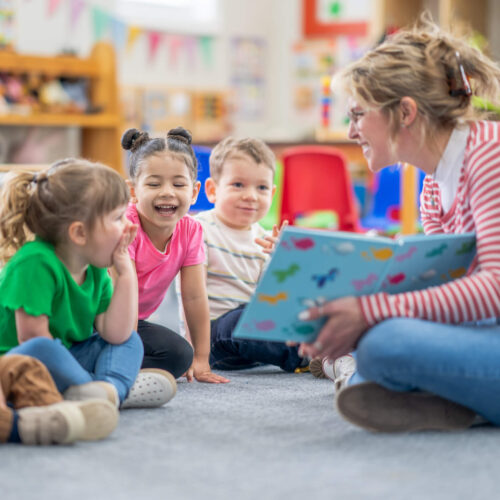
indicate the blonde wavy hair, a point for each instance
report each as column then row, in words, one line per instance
column 423, row 63
column 46, row 203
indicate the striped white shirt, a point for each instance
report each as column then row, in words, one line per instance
column 476, row 207
column 234, row 263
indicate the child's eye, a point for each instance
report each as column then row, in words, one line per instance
column 152, row 184
column 263, row 187
column 179, row 185
column 238, row 184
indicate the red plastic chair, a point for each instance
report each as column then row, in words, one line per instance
column 317, row 178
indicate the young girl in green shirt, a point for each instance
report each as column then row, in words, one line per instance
column 59, row 231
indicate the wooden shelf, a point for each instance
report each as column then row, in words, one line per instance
column 50, row 66
column 62, row 120
column 101, row 132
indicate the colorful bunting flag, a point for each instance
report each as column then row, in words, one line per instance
column 100, row 23
column 53, row 5
column 154, row 39
column 133, row 34
column 76, row 8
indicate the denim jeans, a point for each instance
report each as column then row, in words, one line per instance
column 227, row 353
column 460, row 363
column 92, row 359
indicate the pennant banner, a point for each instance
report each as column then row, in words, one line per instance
column 174, row 44
column 206, row 50
column 154, row 39
column 118, row 33
column 100, row 23
column 76, row 9
column 133, row 35
column 53, row 5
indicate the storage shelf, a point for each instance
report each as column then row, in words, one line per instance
column 50, row 66
column 63, row 120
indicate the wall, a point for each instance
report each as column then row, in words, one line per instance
column 276, row 21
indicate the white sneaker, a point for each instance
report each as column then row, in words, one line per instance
column 93, row 390
column 340, row 370
column 152, row 388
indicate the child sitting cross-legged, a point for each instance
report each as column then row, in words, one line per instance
column 59, row 232
column 236, row 246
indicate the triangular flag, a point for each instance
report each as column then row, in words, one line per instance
column 190, row 46
column 154, row 39
column 100, row 23
column 118, row 33
column 133, row 34
column 206, row 50
column 53, row 5
column 76, row 8
column 174, row 46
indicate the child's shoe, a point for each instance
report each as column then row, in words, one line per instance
column 53, row 424
column 101, row 418
column 152, row 388
column 67, row 422
column 339, row 370
column 93, row 390
column 316, row 367
column 376, row 408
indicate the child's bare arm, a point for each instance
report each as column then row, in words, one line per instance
column 269, row 242
column 195, row 302
column 3, row 403
column 29, row 327
column 116, row 324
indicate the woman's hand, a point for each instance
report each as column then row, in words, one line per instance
column 121, row 258
column 200, row 369
column 269, row 242
column 340, row 334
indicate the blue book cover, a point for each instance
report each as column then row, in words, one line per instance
column 310, row 267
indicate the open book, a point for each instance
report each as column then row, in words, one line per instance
column 310, row 267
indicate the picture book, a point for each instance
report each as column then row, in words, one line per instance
column 310, row 267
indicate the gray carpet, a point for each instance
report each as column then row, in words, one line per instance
column 266, row 435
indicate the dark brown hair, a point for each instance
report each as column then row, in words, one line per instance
column 178, row 141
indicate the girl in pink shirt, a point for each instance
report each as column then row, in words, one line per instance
column 163, row 186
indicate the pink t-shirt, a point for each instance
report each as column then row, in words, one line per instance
column 156, row 270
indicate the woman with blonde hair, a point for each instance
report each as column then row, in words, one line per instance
column 425, row 359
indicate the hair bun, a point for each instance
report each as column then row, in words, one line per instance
column 133, row 138
column 180, row 134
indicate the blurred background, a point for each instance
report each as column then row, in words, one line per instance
column 74, row 74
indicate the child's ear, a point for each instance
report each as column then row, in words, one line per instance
column 131, row 187
column 210, row 189
column 77, row 233
column 196, row 192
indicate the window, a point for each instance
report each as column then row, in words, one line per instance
column 197, row 17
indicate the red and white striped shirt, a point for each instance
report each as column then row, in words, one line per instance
column 476, row 207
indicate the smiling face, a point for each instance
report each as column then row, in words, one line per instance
column 370, row 128
column 163, row 192
column 243, row 192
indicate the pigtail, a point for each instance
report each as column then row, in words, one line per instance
column 15, row 202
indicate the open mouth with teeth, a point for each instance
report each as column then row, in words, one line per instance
column 165, row 209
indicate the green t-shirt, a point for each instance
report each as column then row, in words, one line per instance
column 36, row 280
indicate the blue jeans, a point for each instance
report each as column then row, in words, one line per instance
column 92, row 359
column 227, row 353
column 460, row 363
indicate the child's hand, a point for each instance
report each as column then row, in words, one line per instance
column 269, row 242
column 121, row 258
column 202, row 373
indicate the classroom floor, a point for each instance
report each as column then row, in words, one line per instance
column 266, row 435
